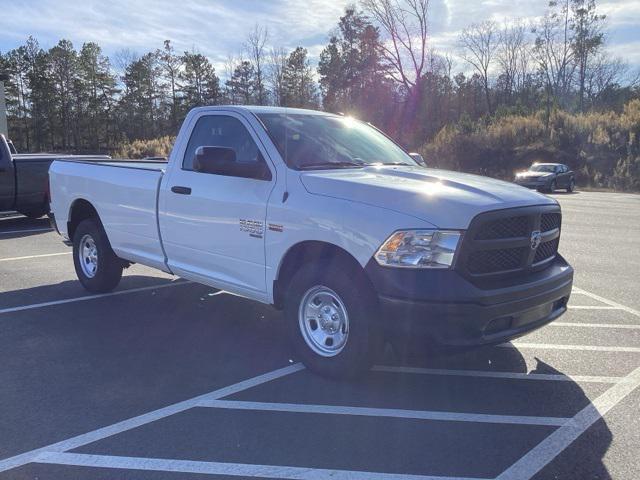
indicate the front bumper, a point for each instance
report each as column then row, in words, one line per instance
column 533, row 183
column 448, row 308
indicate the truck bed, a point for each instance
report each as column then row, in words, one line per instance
column 125, row 195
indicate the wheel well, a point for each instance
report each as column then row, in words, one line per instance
column 80, row 210
column 306, row 252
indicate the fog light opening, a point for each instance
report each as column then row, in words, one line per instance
column 498, row 325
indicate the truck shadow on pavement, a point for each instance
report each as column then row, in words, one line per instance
column 77, row 367
column 72, row 291
column 582, row 459
column 20, row 226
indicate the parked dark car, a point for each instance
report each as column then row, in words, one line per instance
column 547, row 177
column 24, row 180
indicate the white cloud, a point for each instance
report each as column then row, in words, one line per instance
column 218, row 28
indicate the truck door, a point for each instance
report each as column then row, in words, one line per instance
column 212, row 220
column 7, row 177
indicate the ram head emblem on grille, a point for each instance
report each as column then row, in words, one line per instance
column 536, row 238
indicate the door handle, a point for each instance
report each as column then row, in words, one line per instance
column 181, row 190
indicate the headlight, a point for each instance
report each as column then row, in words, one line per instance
column 419, row 249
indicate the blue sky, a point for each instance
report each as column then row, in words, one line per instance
column 218, row 28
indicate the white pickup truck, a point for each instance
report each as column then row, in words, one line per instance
column 324, row 217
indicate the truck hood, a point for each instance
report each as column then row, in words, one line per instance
column 444, row 198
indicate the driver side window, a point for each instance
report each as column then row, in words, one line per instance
column 227, row 132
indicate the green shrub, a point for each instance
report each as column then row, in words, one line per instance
column 157, row 147
column 603, row 148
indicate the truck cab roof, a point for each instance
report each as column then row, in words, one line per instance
column 258, row 109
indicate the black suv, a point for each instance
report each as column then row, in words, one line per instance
column 547, row 177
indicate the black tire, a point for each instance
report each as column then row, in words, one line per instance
column 109, row 267
column 572, row 185
column 363, row 341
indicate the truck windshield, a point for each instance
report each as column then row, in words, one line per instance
column 310, row 142
column 542, row 168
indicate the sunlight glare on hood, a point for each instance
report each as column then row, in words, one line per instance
column 432, row 188
column 349, row 122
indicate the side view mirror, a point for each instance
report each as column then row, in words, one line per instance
column 418, row 159
column 223, row 161
column 213, row 159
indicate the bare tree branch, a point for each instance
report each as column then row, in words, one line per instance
column 404, row 28
column 479, row 44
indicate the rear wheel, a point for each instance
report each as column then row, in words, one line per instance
column 332, row 320
column 98, row 268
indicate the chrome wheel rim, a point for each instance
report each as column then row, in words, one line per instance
column 323, row 320
column 88, row 256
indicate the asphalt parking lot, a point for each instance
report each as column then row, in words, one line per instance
column 164, row 379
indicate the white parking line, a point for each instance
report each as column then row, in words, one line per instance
column 116, row 428
column 595, row 325
column 553, row 346
column 489, row 374
column 592, row 307
column 543, row 453
column 92, row 297
column 384, row 412
column 11, row 259
column 228, row 469
column 26, row 230
column 611, row 303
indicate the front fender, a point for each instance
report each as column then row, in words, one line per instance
column 357, row 228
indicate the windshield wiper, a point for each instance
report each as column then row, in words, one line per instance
column 393, row 163
column 329, row 165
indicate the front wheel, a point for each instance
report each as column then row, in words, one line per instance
column 572, row 186
column 97, row 266
column 332, row 321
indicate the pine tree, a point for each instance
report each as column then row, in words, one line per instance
column 241, row 87
column 171, row 64
column 14, row 64
column 140, row 103
column 299, row 88
column 41, row 96
column 95, row 96
column 200, row 84
column 63, row 61
column 352, row 75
